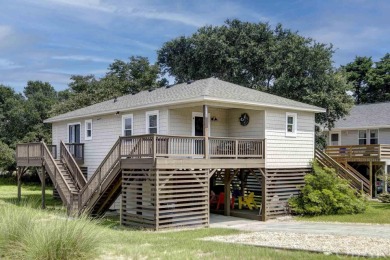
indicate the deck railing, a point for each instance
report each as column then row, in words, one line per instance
column 368, row 152
column 74, row 169
column 33, row 151
column 77, row 151
column 190, row 147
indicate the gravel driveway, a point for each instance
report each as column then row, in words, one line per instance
column 338, row 238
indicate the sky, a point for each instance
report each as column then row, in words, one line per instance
column 50, row 40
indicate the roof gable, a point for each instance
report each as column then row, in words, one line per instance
column 366, row 116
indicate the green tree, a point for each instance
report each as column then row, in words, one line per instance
column 122, row 78
column 256, row 56
column 379, row 81
column 357, row 73
column 7, row 159
column 13, row 121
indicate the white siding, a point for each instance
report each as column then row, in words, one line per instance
column 384, row 136
column 180, row 121
column 106, row 130
column 255, row 128
column 349, row 137
column 285, row 151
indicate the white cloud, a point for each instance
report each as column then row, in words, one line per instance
column 7, row 64
column 82, row 58
column 5, row 31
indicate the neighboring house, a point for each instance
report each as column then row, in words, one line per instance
column 159, row 148
column 362, row 140
column 365, row 124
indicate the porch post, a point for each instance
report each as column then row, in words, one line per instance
column 206, row 131
column 370, row 174
column 19, row 177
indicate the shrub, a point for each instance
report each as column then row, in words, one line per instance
column 326, row 194
column 26, row 233
column 384, row 197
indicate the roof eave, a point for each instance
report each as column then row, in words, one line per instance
column 199, row 99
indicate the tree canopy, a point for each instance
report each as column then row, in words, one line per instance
column 254, row 55
column 122, row 78
column 371, row 80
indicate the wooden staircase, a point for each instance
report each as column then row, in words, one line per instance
column 93, row 197
column 345, row 171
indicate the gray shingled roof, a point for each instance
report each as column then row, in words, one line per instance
column 368, row 115
column 205, row 89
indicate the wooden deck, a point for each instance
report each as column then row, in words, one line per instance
column 359, row 153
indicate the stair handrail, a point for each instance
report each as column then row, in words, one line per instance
column 98, row 174
column 356, row 173
column 334, row 164
column 72, row 165
column 56, row 169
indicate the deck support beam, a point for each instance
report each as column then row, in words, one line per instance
column 42, row 177
column 227, row 192
column 371, row 179
column 19, row 174
column 385, row 178
column 263, row 198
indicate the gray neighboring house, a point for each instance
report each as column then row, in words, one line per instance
column 361, row 140
column 365, row 124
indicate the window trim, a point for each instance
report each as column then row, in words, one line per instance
column 86, row 137
column 147, row 115
column 124, row 117
column 369, row 134
column 67, row 131
column 295, row 124
column 358, row 135
column 330, row 137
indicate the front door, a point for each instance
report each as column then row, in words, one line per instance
column 74, row 138
column 198, row 131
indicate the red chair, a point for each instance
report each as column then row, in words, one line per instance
column 221, row 200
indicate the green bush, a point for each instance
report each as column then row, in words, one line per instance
column 326, row 194
column 26, row 233
column 384, row 197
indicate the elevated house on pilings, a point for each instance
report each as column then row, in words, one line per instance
column 157, row 155
column 360, row 143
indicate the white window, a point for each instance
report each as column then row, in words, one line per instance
column 127, row 125
column 88, row 129
column 291, row 124
column 335, row 139
column 362, row 137
column 374, row 136
column 152, row 122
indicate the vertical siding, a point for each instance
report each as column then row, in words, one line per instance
column 255, row 128
column 284, row 151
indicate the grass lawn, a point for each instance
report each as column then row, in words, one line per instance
column 125, row 243
column 377, row 213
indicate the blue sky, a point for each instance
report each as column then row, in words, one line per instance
column 50, row 40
